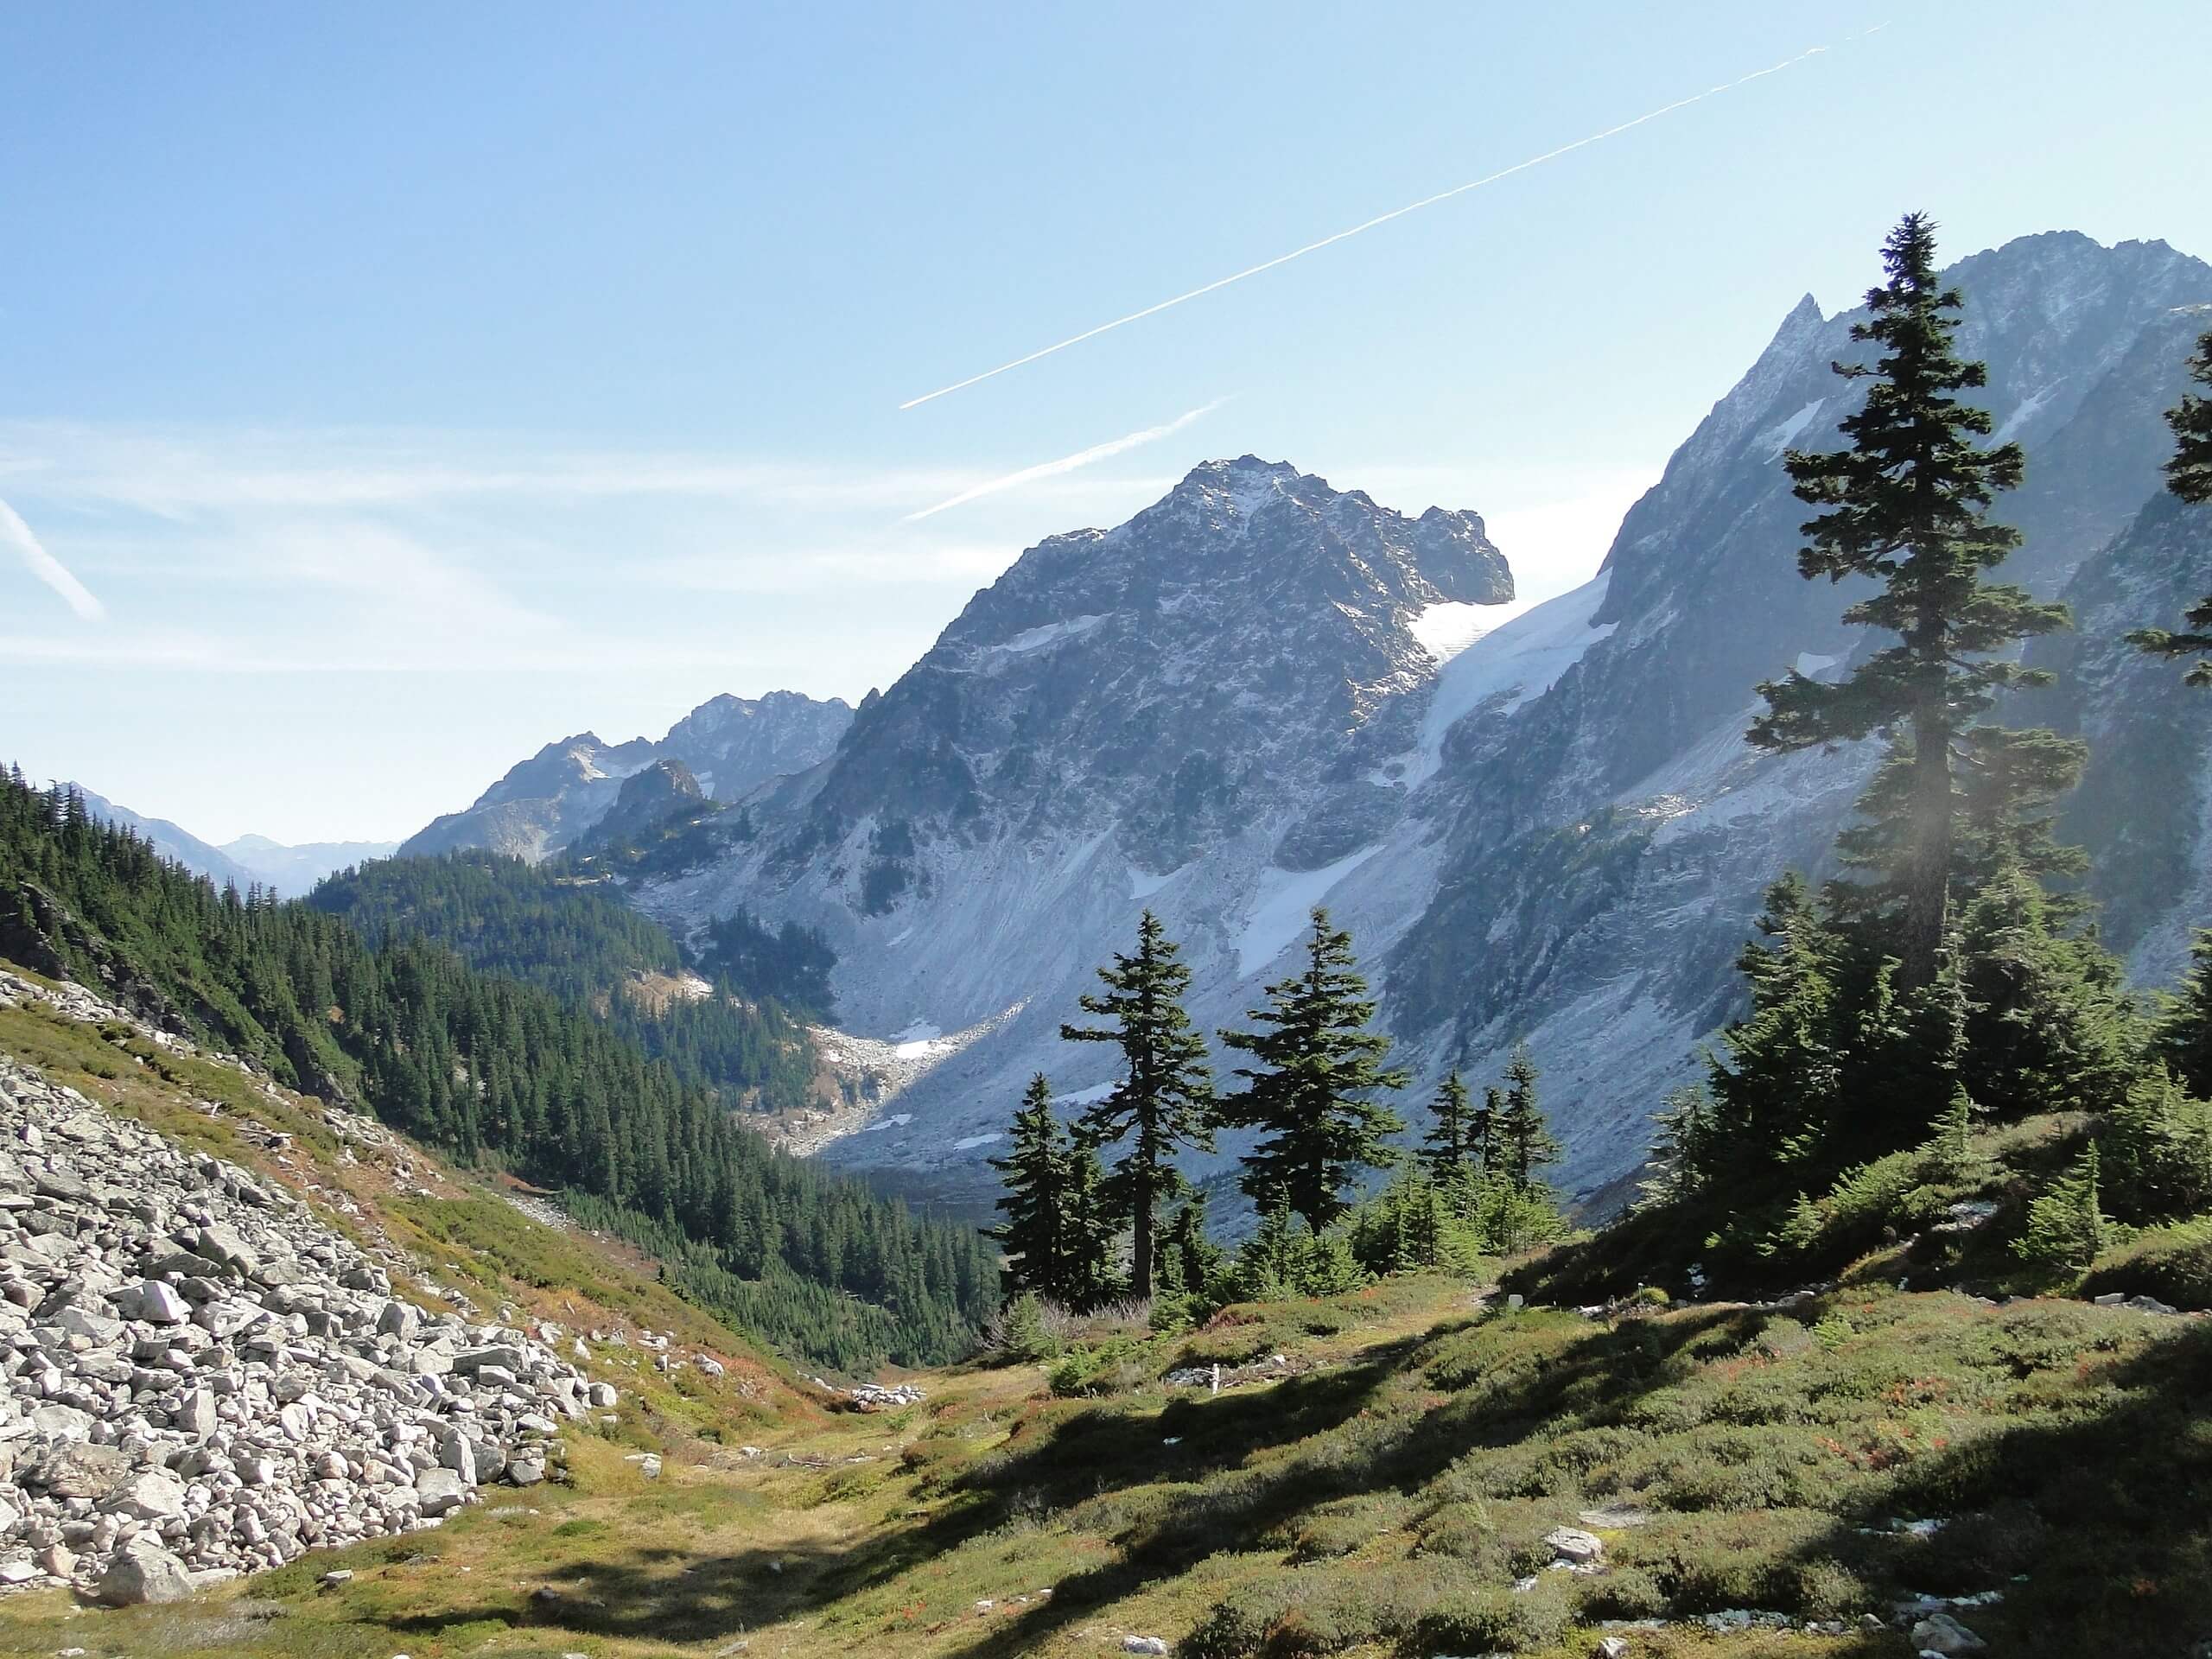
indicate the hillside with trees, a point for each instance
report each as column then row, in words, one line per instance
column 569, row 934
column 498, row 1074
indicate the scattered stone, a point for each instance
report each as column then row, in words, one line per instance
column 1941, row 1633
column 869, row 1396
column 1617, row 1518
column 1573, row 1545
column 1609, row 1647
column 1143, row 1644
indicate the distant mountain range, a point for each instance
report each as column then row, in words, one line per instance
column 290, row 870
column 723, row 749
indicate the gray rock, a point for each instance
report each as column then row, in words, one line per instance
column 1573, row 1544
column 152, row 1495
column 220, row 1242
column 1941, row 1633
column 440, row 1490
column 141, row 1574
column 158, row 1304
column 83, row 1470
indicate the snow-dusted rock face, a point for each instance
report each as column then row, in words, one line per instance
column 198, row 1376
column 1262, row 693
column 730, row 745
column 1215, row 708
column 2144, row 807
column 1608, row 842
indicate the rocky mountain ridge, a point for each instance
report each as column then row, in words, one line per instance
column 730, row 746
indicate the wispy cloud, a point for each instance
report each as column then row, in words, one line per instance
column 1082, row 458
column 1220, row 283
column 48, row 568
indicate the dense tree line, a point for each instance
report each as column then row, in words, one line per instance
column 496, row 1073
column 570, row 935
column 790, row 965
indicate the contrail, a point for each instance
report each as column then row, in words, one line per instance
column 1384, row 219
column 48, row 568
column 1067, row 463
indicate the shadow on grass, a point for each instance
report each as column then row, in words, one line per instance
column 2094, row 1519
column 2096, row 1529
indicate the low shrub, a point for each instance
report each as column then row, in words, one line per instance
column 2172, row 1263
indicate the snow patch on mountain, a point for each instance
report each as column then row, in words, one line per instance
column 1520, row 660
column 1283, row 904
column 1779, row 438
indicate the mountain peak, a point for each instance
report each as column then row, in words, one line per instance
column 1247, row 483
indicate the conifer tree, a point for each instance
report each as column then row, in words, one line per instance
column 1780, row 1088
column 1315, row 1069
column 1448, row 1151
column 2184, row 1036
column 2066, row 1225
column 1086, row 1276
column 2006, row 786
column 1034, row 1175
column 1189, row 1259
column 1683, row 1153
column 1525, row 1142
column 2049, row 1023
column 2188, row 476
column 1906, row 508
column 1167, row 1099
column 2160, row 1149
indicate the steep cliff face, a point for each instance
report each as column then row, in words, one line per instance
column 2144, row 807
column 729, row 745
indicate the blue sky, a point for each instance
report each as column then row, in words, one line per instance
column 385, row 391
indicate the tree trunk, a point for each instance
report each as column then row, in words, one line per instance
column 1141, row 1242
column 1928, row 866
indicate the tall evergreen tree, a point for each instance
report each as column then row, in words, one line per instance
column 1034, row 1199
column 1525, row 1142
column 2049, row 1023
column 1316, row 1068
column 1906, row 508
column 1448, row 1151
column 1165, row 1101
column 2189, row 475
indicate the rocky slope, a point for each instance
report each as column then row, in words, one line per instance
column 730, row 745
column 211, row 1368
